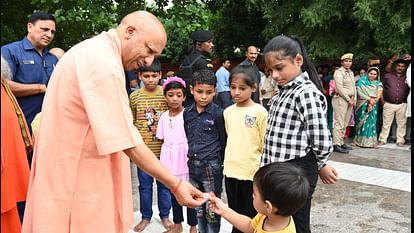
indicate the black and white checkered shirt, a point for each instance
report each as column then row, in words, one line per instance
column 297, row 123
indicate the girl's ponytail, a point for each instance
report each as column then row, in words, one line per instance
column 308, row 65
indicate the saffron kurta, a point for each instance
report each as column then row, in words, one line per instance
column 80, row 179
column 14, row 166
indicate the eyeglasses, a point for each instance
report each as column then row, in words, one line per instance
column 376, row 65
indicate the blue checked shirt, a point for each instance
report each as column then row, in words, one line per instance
column 206, row 133
column 297, row 123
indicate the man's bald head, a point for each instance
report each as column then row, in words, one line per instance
column 142, row 37
column 58, row 52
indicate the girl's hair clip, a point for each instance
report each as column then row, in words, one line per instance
column 173, row 79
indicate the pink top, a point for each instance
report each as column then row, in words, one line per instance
column 80, row 178
column 174, row 148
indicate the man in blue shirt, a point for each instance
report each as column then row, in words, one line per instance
column 223, row 86
column 251, row 57
column 31, row 63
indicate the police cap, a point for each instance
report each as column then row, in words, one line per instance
column 202, row 35
column 347, row 56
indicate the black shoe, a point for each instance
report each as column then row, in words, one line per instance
column 339, row 149
column 346, row 147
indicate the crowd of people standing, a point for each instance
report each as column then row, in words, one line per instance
column 365, row 99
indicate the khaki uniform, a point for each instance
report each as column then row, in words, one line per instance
column 345, row 90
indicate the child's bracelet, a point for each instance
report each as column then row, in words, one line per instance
column 176, row 187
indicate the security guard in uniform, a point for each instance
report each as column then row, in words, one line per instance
column 343, row 101
column 202, row 45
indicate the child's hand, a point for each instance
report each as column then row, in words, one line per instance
column 217, row 206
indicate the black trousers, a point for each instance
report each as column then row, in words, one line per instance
column 302, row 216
column 240, row 197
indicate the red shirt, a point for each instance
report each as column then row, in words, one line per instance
column 395, row 88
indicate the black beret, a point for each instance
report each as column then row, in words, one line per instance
column 202, row 35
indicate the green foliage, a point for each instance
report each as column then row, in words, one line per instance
column 329, row 28
column 180, row 20
column 236, row 26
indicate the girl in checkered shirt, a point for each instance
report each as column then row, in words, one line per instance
column 297, row 130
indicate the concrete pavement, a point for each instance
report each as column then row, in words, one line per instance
column 373, row 195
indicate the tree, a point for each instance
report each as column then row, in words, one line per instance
column 236, row 26
column 179, row 21
column 329, row 28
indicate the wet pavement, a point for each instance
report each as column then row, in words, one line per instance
column 373, row 195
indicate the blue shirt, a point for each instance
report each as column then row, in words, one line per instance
column 222, row 75
column 206, row 133
column 28, row 67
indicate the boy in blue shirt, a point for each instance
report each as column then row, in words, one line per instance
column 206, row 136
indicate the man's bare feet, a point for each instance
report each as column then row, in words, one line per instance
column 176, row 228
column 167, row 223
column 141, row 225
column 193, row 229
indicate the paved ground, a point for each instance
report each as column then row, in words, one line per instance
column 373, row 195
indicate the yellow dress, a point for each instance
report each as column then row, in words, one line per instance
column 258, row 222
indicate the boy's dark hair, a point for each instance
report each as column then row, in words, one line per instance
column 249, row 74
column 41, row 15
column 204, row 76
column 224, row 59
column 290, row 46
column 174, row 85
column 284, row 185
column 154, row 67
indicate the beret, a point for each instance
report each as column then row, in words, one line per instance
column 202, row 35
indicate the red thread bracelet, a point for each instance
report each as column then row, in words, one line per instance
column 176, row 187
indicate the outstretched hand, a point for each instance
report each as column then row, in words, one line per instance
column 186, row 195
column 217, row 206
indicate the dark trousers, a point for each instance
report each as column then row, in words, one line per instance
column 178, row 213
column 240, row 197
column 302, row 216
column 224, row 99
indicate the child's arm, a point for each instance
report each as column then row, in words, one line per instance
column 241, row 222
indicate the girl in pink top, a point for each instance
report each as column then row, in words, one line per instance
column 175, row 147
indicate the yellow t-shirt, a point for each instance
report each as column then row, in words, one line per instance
column 258, row 221
column 245, row 127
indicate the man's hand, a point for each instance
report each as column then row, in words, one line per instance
column 328, row 175
column 186, row 193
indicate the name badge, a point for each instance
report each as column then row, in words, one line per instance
column 28, row 62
